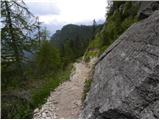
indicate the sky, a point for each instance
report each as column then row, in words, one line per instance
column 56, row 13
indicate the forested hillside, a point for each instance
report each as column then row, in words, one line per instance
column 73, row 40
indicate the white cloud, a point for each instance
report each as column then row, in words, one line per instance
column 81, row 10
column 67, row 11
column 42, row 7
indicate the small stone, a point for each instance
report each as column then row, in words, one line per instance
column 73, row 107
column 55, row 102
column 54, row 115
column 47, row 114
column 36, row 110
column 48, row 118
column 72, row 113
column 78, row 103
column 44, row 115
column 35, row 116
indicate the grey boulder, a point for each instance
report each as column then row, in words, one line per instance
column 126, row 79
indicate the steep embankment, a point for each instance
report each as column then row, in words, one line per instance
column 65, row 101
column 119, row 17
column 125, row 81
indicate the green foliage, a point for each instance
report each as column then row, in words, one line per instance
column 96, row 43
column 86, row 89
column 47, row 58
column 90, row 54
column 93, row 48
column 51, row 82
column 40, row 72
column 128, row 22
column 121, row 15
column 18, row 106
column 15, row 107
column 130, row 9
column 68, row 52
column 102, row 49
column 17, row 26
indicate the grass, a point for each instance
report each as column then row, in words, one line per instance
column 90, row 54
column 15, row 106
column 86, row 89
column 40, row 94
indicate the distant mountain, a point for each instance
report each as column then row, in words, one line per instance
column 100, row 21
column 73, row 39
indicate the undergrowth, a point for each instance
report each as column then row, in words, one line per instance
column 86, row 89
column 22, row 106
column 40, row 94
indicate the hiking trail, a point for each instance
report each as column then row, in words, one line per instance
column 65, row 100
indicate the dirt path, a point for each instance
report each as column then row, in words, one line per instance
column 65, row 101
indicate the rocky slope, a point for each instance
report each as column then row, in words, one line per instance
column 125, row 81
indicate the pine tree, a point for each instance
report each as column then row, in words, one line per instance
column 47, row 58
column 94, row 27
column 19, row 24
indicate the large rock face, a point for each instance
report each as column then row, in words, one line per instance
column 125, row 81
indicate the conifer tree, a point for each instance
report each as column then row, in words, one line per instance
column 18, row 26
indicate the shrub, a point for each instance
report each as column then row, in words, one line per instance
column 40, row 94
column 47, row 58
column 15, row 107
column 128, row 22
column 86, row 89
